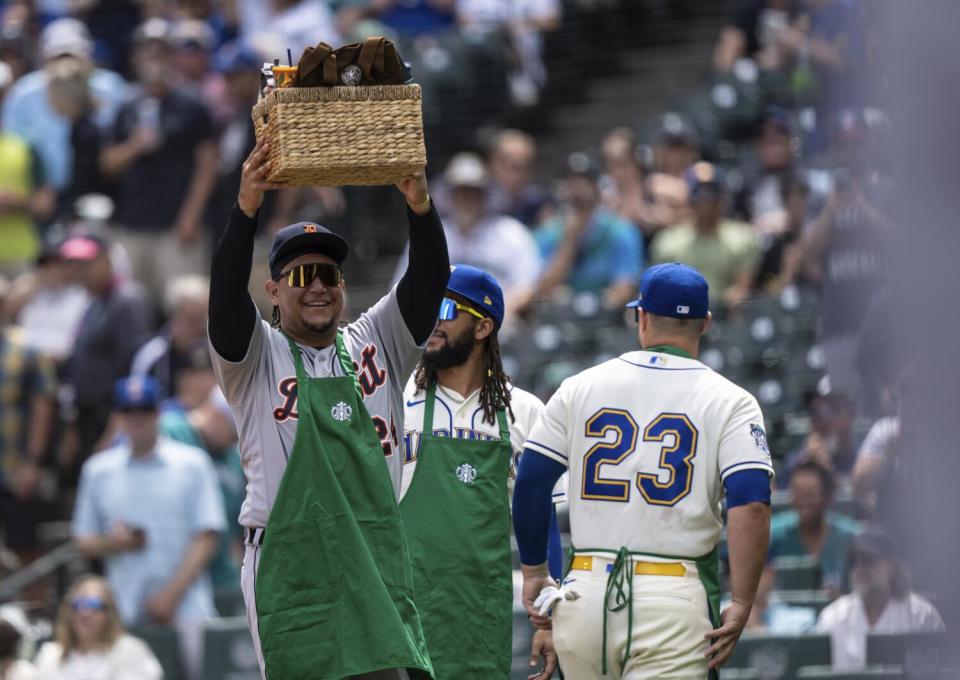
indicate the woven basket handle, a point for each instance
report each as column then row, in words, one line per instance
column 371, row 59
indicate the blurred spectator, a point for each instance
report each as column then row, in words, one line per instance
column 151, row 509
column 48, row 303
column 475, row 236
column 16, row 50
column 164, row 158
column 28, row 111
column 879, row 461
column 831, row 441
column 829, row 44
column 71, row 98
column 11, row 666
column 27, row 410
column 112, row 23
column 240, row 65
column 627, row 193
column 525, row 21
column 771, row 615
column 755, row 30
column 811, row 529
column 724, row 250
column 298, row 24
column 761, row 200
column 24, row 198
column 185, row 306
column 412, row 18
column 210, row 426
column 193, row 42
column 90, row 641
column 675, row 150
column 513, row 190
column 114, row 325
column 193, row 381
column 587, row 247
column 849, row 245
column 881, row 602
column 782, row 262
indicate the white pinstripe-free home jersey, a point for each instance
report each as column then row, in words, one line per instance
column 647, row 439
column 462, row 418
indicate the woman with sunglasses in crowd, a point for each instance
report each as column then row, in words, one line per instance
column 90, row 642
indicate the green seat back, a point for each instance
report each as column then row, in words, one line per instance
column 777, row 657
column 796, row 573
column 165, row 645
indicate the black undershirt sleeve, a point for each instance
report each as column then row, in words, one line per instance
column 423, row 284
column 233, row 315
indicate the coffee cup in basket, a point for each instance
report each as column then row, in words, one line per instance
column 285, row 76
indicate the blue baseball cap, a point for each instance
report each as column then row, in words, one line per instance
column 136, row 392
column 304, row 238
column 675, row 290
column 480, row 288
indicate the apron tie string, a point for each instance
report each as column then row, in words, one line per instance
column 620, row 587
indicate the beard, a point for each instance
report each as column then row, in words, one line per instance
column 320, row 328
column 454, row 352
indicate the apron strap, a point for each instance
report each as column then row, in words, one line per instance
column 346, row 362
column 619, row 594
column 504, row 428
column 427, row 428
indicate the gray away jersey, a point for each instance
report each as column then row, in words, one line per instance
column 262, row 391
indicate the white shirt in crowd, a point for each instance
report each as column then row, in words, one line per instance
column 845, row 620
column 881, row 438
column 499, row 245
column 129, row 659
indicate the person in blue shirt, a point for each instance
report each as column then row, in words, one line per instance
column 152, row 510
column 587, row 247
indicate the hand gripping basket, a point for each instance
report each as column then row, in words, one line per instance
column 368, row 134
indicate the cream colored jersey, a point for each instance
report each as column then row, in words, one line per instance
column 648, row 439
column 462, row 418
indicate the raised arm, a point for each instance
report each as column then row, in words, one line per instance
column 233, row 315
column 423, row 284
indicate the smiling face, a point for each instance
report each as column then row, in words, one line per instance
column 310, row 314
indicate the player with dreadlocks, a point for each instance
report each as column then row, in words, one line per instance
column 465, row 428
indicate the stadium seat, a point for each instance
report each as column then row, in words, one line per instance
column 811, row 599
column 228, row 651
column 163, row 641
column 869, row 673
column 797, row 573
column 921, row 655
column 777, row 657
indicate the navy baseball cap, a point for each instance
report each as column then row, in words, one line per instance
column 480, row 288
column 675, row 290
column 304, row 238
column 136, row 392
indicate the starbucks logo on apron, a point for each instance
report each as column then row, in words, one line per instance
column 341, row 411
column 466, row 473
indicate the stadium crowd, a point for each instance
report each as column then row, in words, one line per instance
column 124, row 126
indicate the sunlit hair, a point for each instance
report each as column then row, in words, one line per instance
column 63, row 631
column 495, row 391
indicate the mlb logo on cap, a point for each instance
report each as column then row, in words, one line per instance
column 675, row 290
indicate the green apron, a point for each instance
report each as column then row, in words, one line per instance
column 457, row 518
column 334, row 587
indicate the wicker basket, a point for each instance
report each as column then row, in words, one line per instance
column 342, row 135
